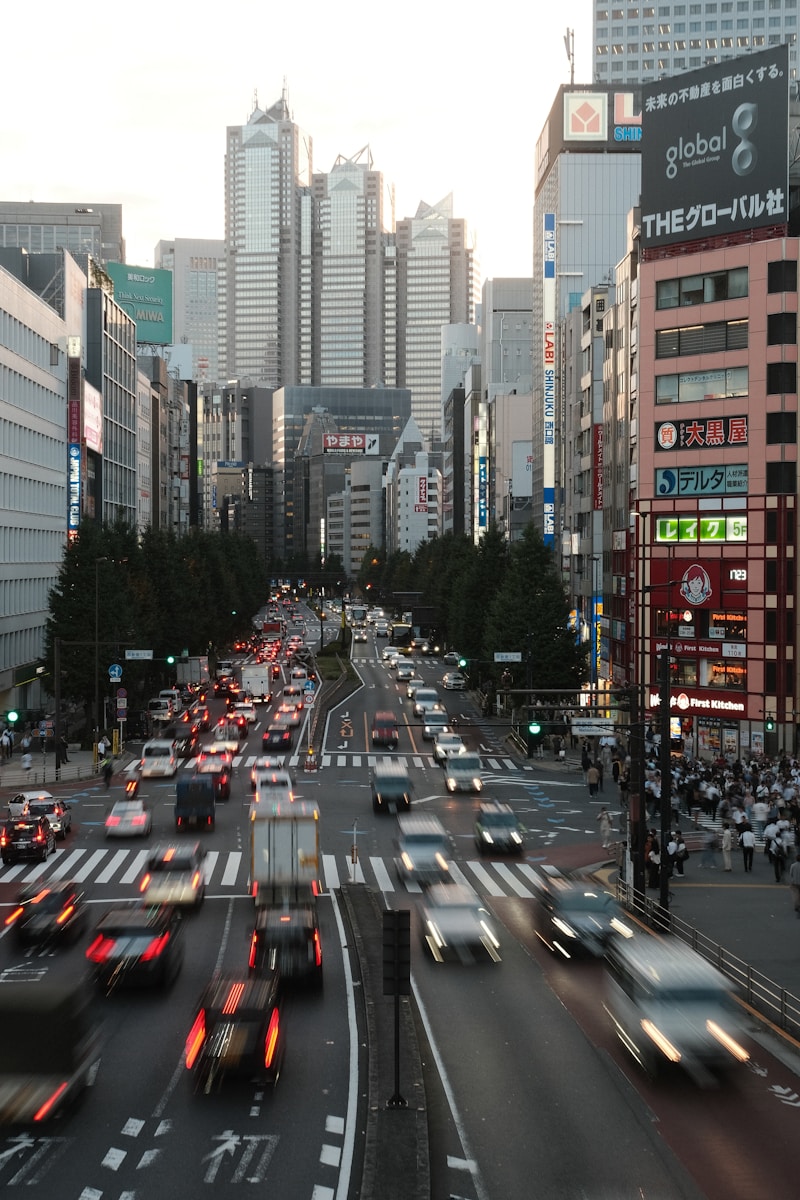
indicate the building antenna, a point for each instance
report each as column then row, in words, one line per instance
column 569, row 46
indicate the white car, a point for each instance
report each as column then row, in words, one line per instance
column 446, row 745
column 456, row 925
column 435, row 724
column 414, row 683
column 263, row 764
column 389, row 654
column 245, row 708
column 405, row 672
column 359, row 635
column 158, row 759
column 454, row 681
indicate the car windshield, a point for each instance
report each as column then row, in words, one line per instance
column 157, row 751
column 179, row 862
column 424, row 840
column 500, row 820
column 578, row 900
column 466, row 762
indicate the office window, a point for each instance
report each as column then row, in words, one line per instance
column 782, row 276
column 781, row 479
column 781, row 428
column 701, row 339
column 781, row 378
column 782, row 329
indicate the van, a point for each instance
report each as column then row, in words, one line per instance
column 391, row 788
column 672, row 1007
column 158, row 759
column 160, row 711
column 384, row 730
column 298, row 675
column 195, row 802
column 424, row 699
column 273, row 787
column 423, row 850
column 292, row 694
column 174, row 697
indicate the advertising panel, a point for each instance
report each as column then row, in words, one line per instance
column 707, row 434
column 597, row 469
column 73, row 489
column 522, row 469
column 590, row 120
column 421, row 501
column 549, row 375
column 145, row 294
column 723, row 479
column 93, row 418
column 483, row 488
column 714, row 157
column 344, row 443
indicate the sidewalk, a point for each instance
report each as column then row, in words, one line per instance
column 43, row 773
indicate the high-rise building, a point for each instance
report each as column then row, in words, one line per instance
column 634, row 43
column 94, row 229
column 196, row 265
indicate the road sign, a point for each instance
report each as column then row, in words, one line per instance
column 121, row 692
column 508, row 656
column 309, row 699
column 122, row 702
column 148, row 654
column 309, row 685
column 592, row 726
column 115, row 671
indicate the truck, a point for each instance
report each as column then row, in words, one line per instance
column 193, row 670
column 273, row 629
column 51, row 1049
column 284, row 853
column 195, row 802
column 256, row 680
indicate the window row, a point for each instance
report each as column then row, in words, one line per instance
column 702, row 339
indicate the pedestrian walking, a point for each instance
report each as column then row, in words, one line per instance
column 598, row 766
column 777, row 854
column 681, row 853
column 604, row 817
column 26, row 762
column 710, row 847
column 108, row 771
column 727, row 843
column 652, row 856
column 586, row 763
column 593, row 779
column 794, row 884
column 7, row 743
column 747, row 840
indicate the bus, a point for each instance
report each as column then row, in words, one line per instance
column 401, row 633
column 358, row 614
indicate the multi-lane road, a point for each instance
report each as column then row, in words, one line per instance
column 528, row 1092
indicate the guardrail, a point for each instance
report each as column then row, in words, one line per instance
column 761, row 993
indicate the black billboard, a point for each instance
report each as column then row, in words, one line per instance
column 715, row 149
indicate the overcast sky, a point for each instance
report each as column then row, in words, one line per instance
column 131, row 106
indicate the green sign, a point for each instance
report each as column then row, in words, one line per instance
column 145, row 294
column 701, row 529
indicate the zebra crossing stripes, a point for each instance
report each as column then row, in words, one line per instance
column 421, row 761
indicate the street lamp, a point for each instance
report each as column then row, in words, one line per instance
column 97, row 561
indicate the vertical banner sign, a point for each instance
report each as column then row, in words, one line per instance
column 597, row 469
column 74, row 432
column 483, row 484
column 549, row 375
column 421, row 505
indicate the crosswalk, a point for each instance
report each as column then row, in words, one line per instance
column 228, row 871
column 356, row 761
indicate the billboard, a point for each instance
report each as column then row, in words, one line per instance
column 549, row 375
column 344, row 443
column 715, row 150
column 590, row 120
column 145, row 294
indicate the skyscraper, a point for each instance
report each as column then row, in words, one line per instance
column 635, row 43
column 196, row 264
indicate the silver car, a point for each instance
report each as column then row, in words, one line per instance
column 128, row 818
column 456, row 925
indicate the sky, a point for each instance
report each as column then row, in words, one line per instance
column 131, row 106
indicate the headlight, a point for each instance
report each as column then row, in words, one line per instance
column 487, row 837
column 515, row 837
column 477, row 785
column 406, row 860
column 564, row 927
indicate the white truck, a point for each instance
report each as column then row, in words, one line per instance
column 193, row 670
column 284, row 853
column 256, row 679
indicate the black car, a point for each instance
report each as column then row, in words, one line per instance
column 52, row 912
column 26, row 837
column 573, row 915
column 187, row 745
column 58, row 814
column 497, row 830
column 277, row 737
column 218, row 767
column 136, row 946
column 237, row 1031
column 287, row 939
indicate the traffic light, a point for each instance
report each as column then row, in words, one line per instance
column 534, row 728
column 769, row 723
column 462, row 663
column 170, row 659
column 534, row 735
column 12, row 716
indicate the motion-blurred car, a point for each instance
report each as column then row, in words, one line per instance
column 389, row 655
column 187, row 745
column 264, row 763
column 384, row 730
column 404, row 672
column 26, row 837
column 247, row 709
column 451, row 659
column 573, row 915
column 277, row 737
column 158, row 759
column 497, row 830
column 454, row 681
column 136, row 945
column 359, row 635
column 456, row 925
column 392, row 790
column 174, row 875
column 220, row 768
column 445, row 745
column 128, row 818
column 435, row 723
column 288, row 714
column 423, row 848
column 48, row 912
column 462, row 773
column 203, row 718
column 237, row 1030
column 414, row 682
column 58, row 814
column 286, row 939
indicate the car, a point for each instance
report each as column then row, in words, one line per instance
column 263, row 764
column 425, row 700
column 242, row 725
column 423, row 848
column 391, row 787
column 389, row 655
column 174, row 875
column 573, row 915
column 381, row 629
column 57, row 812
column 286, row 938
column 128, row 818
column 288, row 714
column 277, row 737
column 48, row 913
column 158, row 759
column 497, row 829
column 237, row 1030
column 446, row 744
column 384, row 730
column 435, row 722
column 451, row 658
column 187, row 745
column 360, row 635
column 462, row 773
column 203, row 718
column 247, row 709
column 136, row 945
column 220, row 768
column 404, row 671
column 411, row 687
column 26, row 837
column 19, row 805
column 225, row 737
column 456, row 925
column 454, row 681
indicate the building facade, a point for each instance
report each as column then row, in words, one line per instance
column 197, row 266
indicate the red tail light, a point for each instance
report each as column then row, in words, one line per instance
column 145, row 882
column 197, row 1035
column 251, row 962
column 317, row 949
column 271, row 1040
column 156, row 947
column 196, row 879
column 3, row 838
column 65, row 914
column 141, row 819
column 100, row 949
column 12, row 917
column 110, row 821
column 41, row 1113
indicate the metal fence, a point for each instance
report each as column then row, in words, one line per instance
column 764, row 995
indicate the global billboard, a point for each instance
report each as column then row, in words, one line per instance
column 715, row 150
column 145, row 294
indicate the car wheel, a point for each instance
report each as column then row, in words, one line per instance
column 43, row 855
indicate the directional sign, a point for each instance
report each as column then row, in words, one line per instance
column 309, row 685
column 115, row 671
column 508, row 656
column 139, row 654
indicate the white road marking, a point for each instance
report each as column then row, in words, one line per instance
column 135, row 868
column 334, row 1125
column 330, row 1156
column 112, row 867
column 505, row 873
column 485, row 879
column 64, row 865
column 232, row 869
column 329, row 871
column 209, row 862
column 382, row 875
column 93, row 861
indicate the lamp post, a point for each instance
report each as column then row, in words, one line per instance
column 97, row 561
